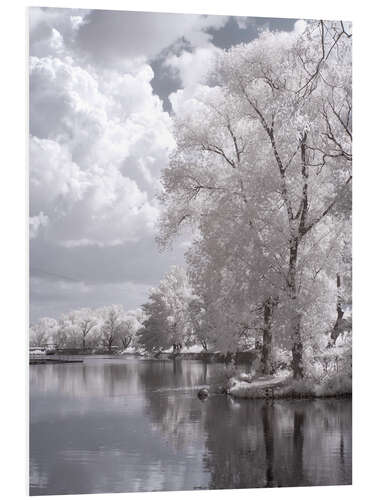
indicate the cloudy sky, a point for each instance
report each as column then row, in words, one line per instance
column 104, row 86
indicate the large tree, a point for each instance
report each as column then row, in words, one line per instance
column 271, row 159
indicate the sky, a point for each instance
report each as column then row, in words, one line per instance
column 104, row 87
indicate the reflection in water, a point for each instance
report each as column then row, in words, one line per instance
column 298, row 420
column 116, row 425
column 267, row 419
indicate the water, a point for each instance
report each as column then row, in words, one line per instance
column 117, row 425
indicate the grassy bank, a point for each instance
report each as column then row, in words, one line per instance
column 283, row 386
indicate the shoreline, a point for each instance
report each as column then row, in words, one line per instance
column 285, row 387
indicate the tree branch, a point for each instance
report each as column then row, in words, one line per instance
column 328, row 209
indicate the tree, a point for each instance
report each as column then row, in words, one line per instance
column 235, row 281
column 167, row 313
column 42, row 332
column 273, row 160
column 129, row 327
column 112, row 319
column 156, row 332
column 60, row 337
column 199, row 325
column 67, row 334
column 83, row 321
column 343, row 289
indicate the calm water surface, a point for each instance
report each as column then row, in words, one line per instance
column 120, row 425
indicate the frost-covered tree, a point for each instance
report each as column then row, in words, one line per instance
column 42, row 332
column 82, row 322
column 111, row 325
column 200, row 327
column 271, row 161
column 168, row 315
column 177, row 295
column 67, row 333
column 131, row 323
column 235, row 281
column 61, row 335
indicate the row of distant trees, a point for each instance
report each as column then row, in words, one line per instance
column 171, row 316
column 105, row 328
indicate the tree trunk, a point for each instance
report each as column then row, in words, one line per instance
column 204, row 344
column 126, row 341
column 297, row 349
column 340, row 314
column 297, row 344
column 266, row 359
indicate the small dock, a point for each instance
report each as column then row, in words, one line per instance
column 52, row 360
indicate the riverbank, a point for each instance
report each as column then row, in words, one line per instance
column 284, row 386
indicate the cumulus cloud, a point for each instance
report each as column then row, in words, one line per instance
column 97, row 147
column 188, row 102
column 85, row 207
column 193, row 67
column 53, row 31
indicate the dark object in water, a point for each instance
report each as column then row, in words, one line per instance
column 221, row 390
column 203, row 394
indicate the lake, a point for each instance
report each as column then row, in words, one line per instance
column 127, row 424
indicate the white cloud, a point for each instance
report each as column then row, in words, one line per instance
column 188, row 102
column 55, row 180
column 36, row 223
column 85, row 207
column 300, row 26
column 53, row 31
column 244, row 22
column 99, row 142
column 193, row 67
column 99, row 136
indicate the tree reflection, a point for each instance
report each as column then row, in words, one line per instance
column 147, row 420
column 235, row 448
column 268, row 426
column 170, row 390
column 265, row 444
column 248, row 443
column 299, row 418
